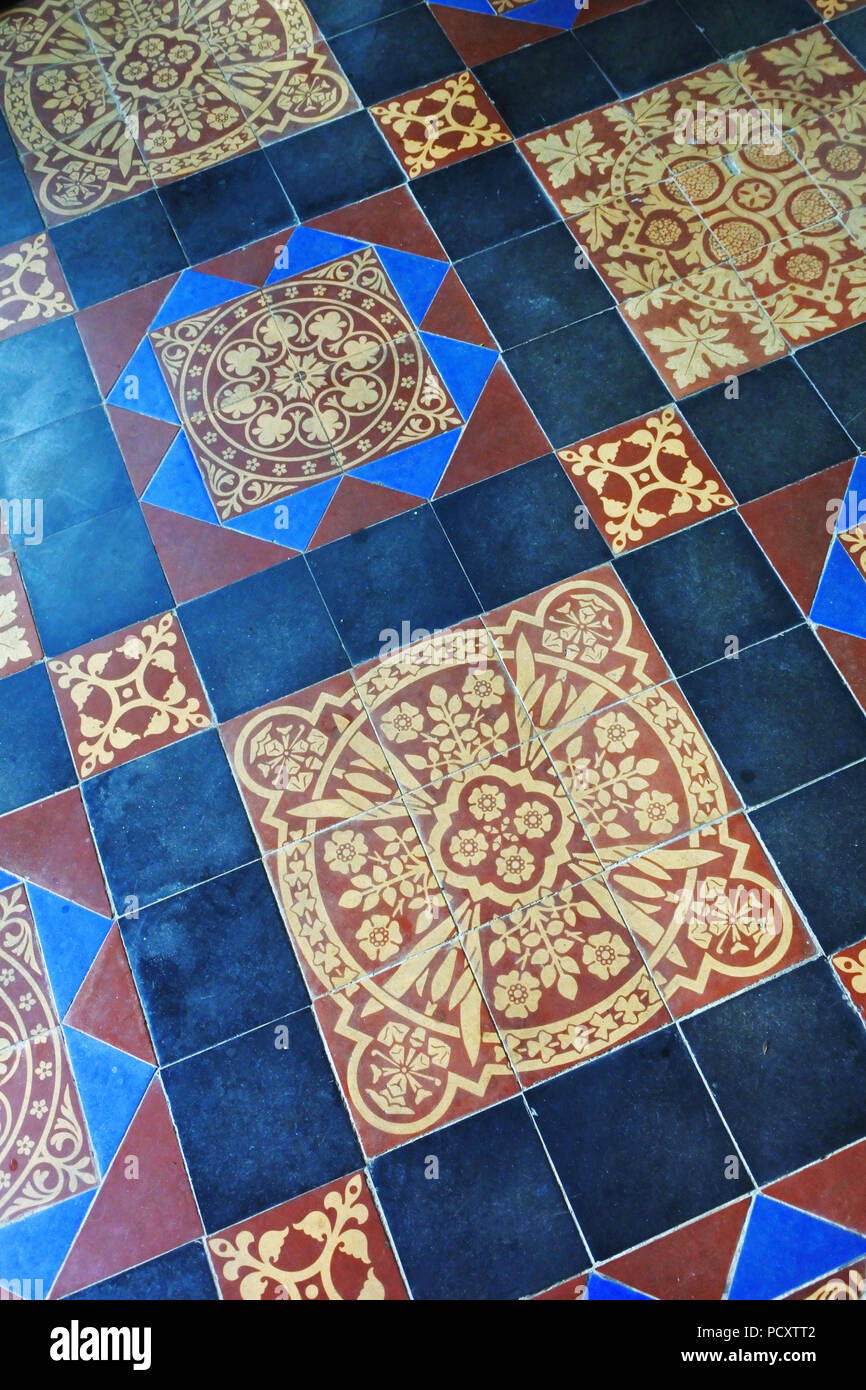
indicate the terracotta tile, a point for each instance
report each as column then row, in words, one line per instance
column 307, row 762
column 833, row 149
column 195, row 124
column 107, row 1005
column 831, row 1188
column 500, row 433
column 198, row 557
column 143, row 442
column 329, row 1245
column 645, row 480
column 85, row 171
column 710, row 915
column 359, row 897
column 645, row 240
column 389, row 219
column 641, row 773
column 440, row 124
column 850, row 966
column 693, row 1262
column 806, row 75
column 593, row 159
column 564, row 981
column 794, row 527
column 441, row 704
column 128, row 694
column 576, row 647
column 33, row 289
column 19, row 641
column 847, row 1284
column 51, row 844
column 707, row 96
column 480, row 37
column 113, row 330
column 452, row 314
column 812, row 284
column 572, row 1291
column 849, row 656
column 288, row 93
column 703, row 329
column 356, row 505
column 414, row 1048
column 27, row 1007
column 501, row 834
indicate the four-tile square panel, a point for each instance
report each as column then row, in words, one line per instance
column 433, row 648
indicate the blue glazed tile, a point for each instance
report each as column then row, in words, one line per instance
column 117, row 248
column 489, row 1222
column 261, row 638
column 7, row 148
column 70, row 937
column 44, row 376
column 395, row 54
column 415, row 278
column 212, row 963
column 318, row 177
column 260, row 1120
column 817, row 837
column 35, row 758
column 178, row 485
column 168, row 820
column 141, row 387
column 783, row 1249
column 92, row 579
column 291, row 522
column 599, row 1288
column 196, row 291
column 786, row 1062
column 840, row 601
column 308, row 247
column 111, row 1084
column 401, row 570
column 32, row 1251
column 183, row 1275
column 637, row 1142
column 226, row 206
column 19, row 215
column 464, row 368
column 482, row 201
column 516, row 532
column 73, row 465
column 417, row 470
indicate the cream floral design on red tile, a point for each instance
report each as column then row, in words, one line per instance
column 646, row 479
column 441, row 704
column 850, row 966
column 576, row 647
column 359, row 897
column 710, row 915
column 659, row 114
column 414, row 1048
column 329, row 1244
column 812, row 284
column 640, row 773
column 33, row 289
column 307, row 762
column 809, row 74
column 440, row 124
column 19, row 644
column 833, row 150
column 854, row 542
column 501, row 834
column 594, row 159
column 564, row 981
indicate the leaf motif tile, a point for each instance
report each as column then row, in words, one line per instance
column 709, row 914
column 640, row 773
column 26, row 1001
column 812, row 284
column 440, row 124
column 715, row 89
column 833, row 150
column 282, row 95
column 803, row 76
column 854, row 541
column 593, row 159
column 564, row 981
column 646, row 479
column 414, row 1048
column 576, row 647
column 19, row 642
column 33, row 289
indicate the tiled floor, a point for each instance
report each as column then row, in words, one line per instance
column 433, row 649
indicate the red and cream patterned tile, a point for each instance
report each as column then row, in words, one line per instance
column 833, row 149
column 812, row 284
column 850, row 966
column 19, row 641
column 708, row 113
column 26, row 1001
column 292, row 92
column 806, row 75
column 846, row 1285
column 593, row 159
column 440, row 124
column 33, row 289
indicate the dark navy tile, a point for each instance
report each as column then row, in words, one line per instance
column 584, row 378
column 92, row 579
column 117, row 248
column 260, row 1120
column 264, row 637
column 817, row 836
column 698, row 589
column 731, row 25
column 334, row 16
column 7, row 148
column 44, row 375
column 19, row 215
column 402, row 571
column 213, row 962
column 168, row 821
column 787, row 1064
column 777, row 430
column 779, row 715
column 490, row 1223
column 334, row 165
column 520, row 531
column 482, row 201
column 227, row 206
column 183, row 1275
column 34, row 757
column 395, row 54
column 74, row 466
column 544, row 83
column 835, row 366
column 647, row 44
column 851, row 29
column 637, row 1142
column 532, row 285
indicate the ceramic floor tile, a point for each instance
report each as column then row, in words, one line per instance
column 594, row 159
column 645, row 479
column 851, row 968
column 803, row 76
column 673, row 109
column 812, row 284
column 32, row 287
column 833, row 149
column 19, row 644
column 290, row 93
column 414, row 1048
column 641, row 773
column 28, row 1006
column 440, row 124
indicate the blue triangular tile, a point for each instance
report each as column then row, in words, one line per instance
column 142, row 375
column 840, row 602
column 415, row 278
column 70, row 937
column 178, row 485
column 600, row 1287
column 476, row 6
column 417, row 470
column 308, row 248
column 464, row 368
column 35, row 1247
column 291, row 522
column 559, row 14
column 111, row 1084
column 6, row 879
column 194, row 292
column 785, row 1248
column 853, row 512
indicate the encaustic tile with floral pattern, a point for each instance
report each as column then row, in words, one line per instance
column 850, row 966
column 806, row 75
column 33, row 289
column 19, row 641
column 441, row 124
